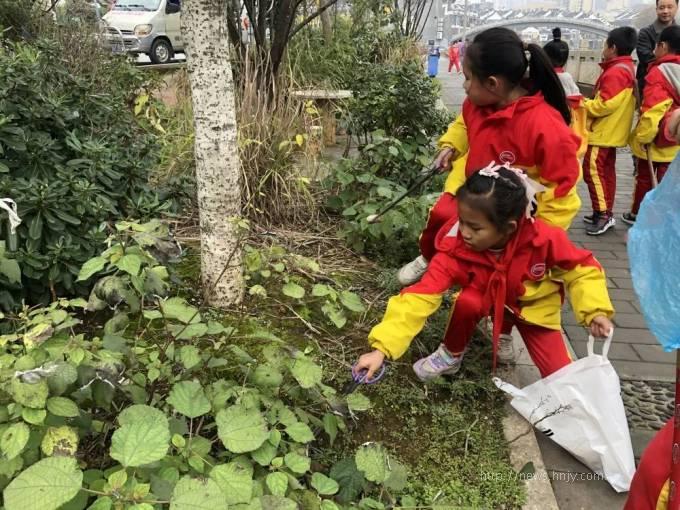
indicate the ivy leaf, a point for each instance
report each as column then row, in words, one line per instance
column 324, row 486
column 241, row 430
column 192, row 494
column 46, row 485
column 372, row 460
column 188, row 398
column 143, row 437
column 92, row 266
column 297, row 463
column 14, row 439
column 293, row 290
column 351, row 301
column 358, row 402
column 306, row 372
column 131, row 264
column 351, row 480
column 300, row 432
column 277, row 483
column 234, row 481
column 61, row 406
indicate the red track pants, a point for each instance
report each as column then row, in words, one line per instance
column 545, row 346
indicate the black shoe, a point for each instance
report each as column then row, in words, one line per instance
column 591, row 218
column 604, row 223
column 629, row 218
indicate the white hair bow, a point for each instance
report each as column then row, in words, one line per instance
column 531, row 187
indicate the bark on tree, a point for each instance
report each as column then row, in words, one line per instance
column 218, row 172
column 327, row 25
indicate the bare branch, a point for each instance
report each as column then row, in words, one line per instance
column 311, row 17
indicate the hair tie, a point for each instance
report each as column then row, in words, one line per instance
column 531, row 187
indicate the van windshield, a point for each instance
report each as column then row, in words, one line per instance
column 136, row 5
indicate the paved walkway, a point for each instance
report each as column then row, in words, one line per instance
column 635, row 354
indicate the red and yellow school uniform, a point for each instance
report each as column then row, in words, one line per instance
column 610, row 117
column 529, row 134
column 661, row 97
column 649, row 489
column 528, row 280
column 579, row 115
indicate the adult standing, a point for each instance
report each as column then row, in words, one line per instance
column 649, row 37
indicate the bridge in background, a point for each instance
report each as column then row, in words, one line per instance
column 599, row 29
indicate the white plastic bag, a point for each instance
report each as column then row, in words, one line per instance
column 580, row 408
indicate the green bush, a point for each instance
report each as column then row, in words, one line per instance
column 73, row 156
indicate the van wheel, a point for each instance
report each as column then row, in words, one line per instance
column 161, row 52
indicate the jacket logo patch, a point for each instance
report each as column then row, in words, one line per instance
column 538, row 270
column 507, row 157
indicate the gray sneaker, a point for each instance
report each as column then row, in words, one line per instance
column 440, row 362
column 506, row 350
column 413, row 271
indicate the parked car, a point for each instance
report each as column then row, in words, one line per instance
column 145, row 26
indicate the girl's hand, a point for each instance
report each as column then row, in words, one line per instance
column 371, row 362
column 443, row 159
column 601, row 326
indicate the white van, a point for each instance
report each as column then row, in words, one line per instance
column 145, row 26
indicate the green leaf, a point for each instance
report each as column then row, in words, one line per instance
column 61, row 406
column 30, row 395
column 234, row 481
column 63, row 376
column 358, row 402
column 60, row 441
column 320, row 290
column 330, row 426
column 371, row 504
column 91, row 267
column 241, row 430
column 398, row 476
column 277, row 483
column 131, row 264
column 177, row 308
column 372, row 460
column 351, row 301
column 192, row 494
column 102, row 503
column 10, row 268
column 117, row 479
column 267, row 376
column 183, row 332
column 143, row 437
column 13, row 440
column 324, row 485
column 297, row 463
column 33, row 416
column 351, row 480
column 188, row 398
column 264, row 454
column 306, row 372
column 293, row 290
column 46, row 485
column 328, row 505
column 190, row 356
column 300, row 432
column 277, row 503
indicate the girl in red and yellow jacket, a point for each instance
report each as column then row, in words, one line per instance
column 610, row 115
column 507, row 262
column 661, row 97
column 558, row 53
column 502, row 120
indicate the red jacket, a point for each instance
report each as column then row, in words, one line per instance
column 528, row 134
column 529, row 278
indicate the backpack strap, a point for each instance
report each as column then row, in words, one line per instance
column 636, row 88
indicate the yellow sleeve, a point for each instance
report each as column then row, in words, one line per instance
column 587, row 288
column 456, row 177
column 557, row 211
column 648, row 126
column 456, row 136
column 404, row 318
column 600, row 107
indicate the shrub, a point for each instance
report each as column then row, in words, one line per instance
column 73, row 156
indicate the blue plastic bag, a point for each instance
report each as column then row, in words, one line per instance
column 654, row 253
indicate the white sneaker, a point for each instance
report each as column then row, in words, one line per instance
column 440, row 362
column 413, row 271
column 506, row 350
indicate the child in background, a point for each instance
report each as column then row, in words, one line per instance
column 610, row 115
column 505, row 261
column 558, row 53
column 453, row 56
column 661, row 98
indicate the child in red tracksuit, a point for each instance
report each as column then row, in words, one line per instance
column 507, row 119
column 661, row 98
column 505, row 262
column 610, row 116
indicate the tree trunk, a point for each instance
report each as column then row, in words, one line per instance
column 218, row 175
column 326, row 25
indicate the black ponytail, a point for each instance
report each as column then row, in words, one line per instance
column 500, row 51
